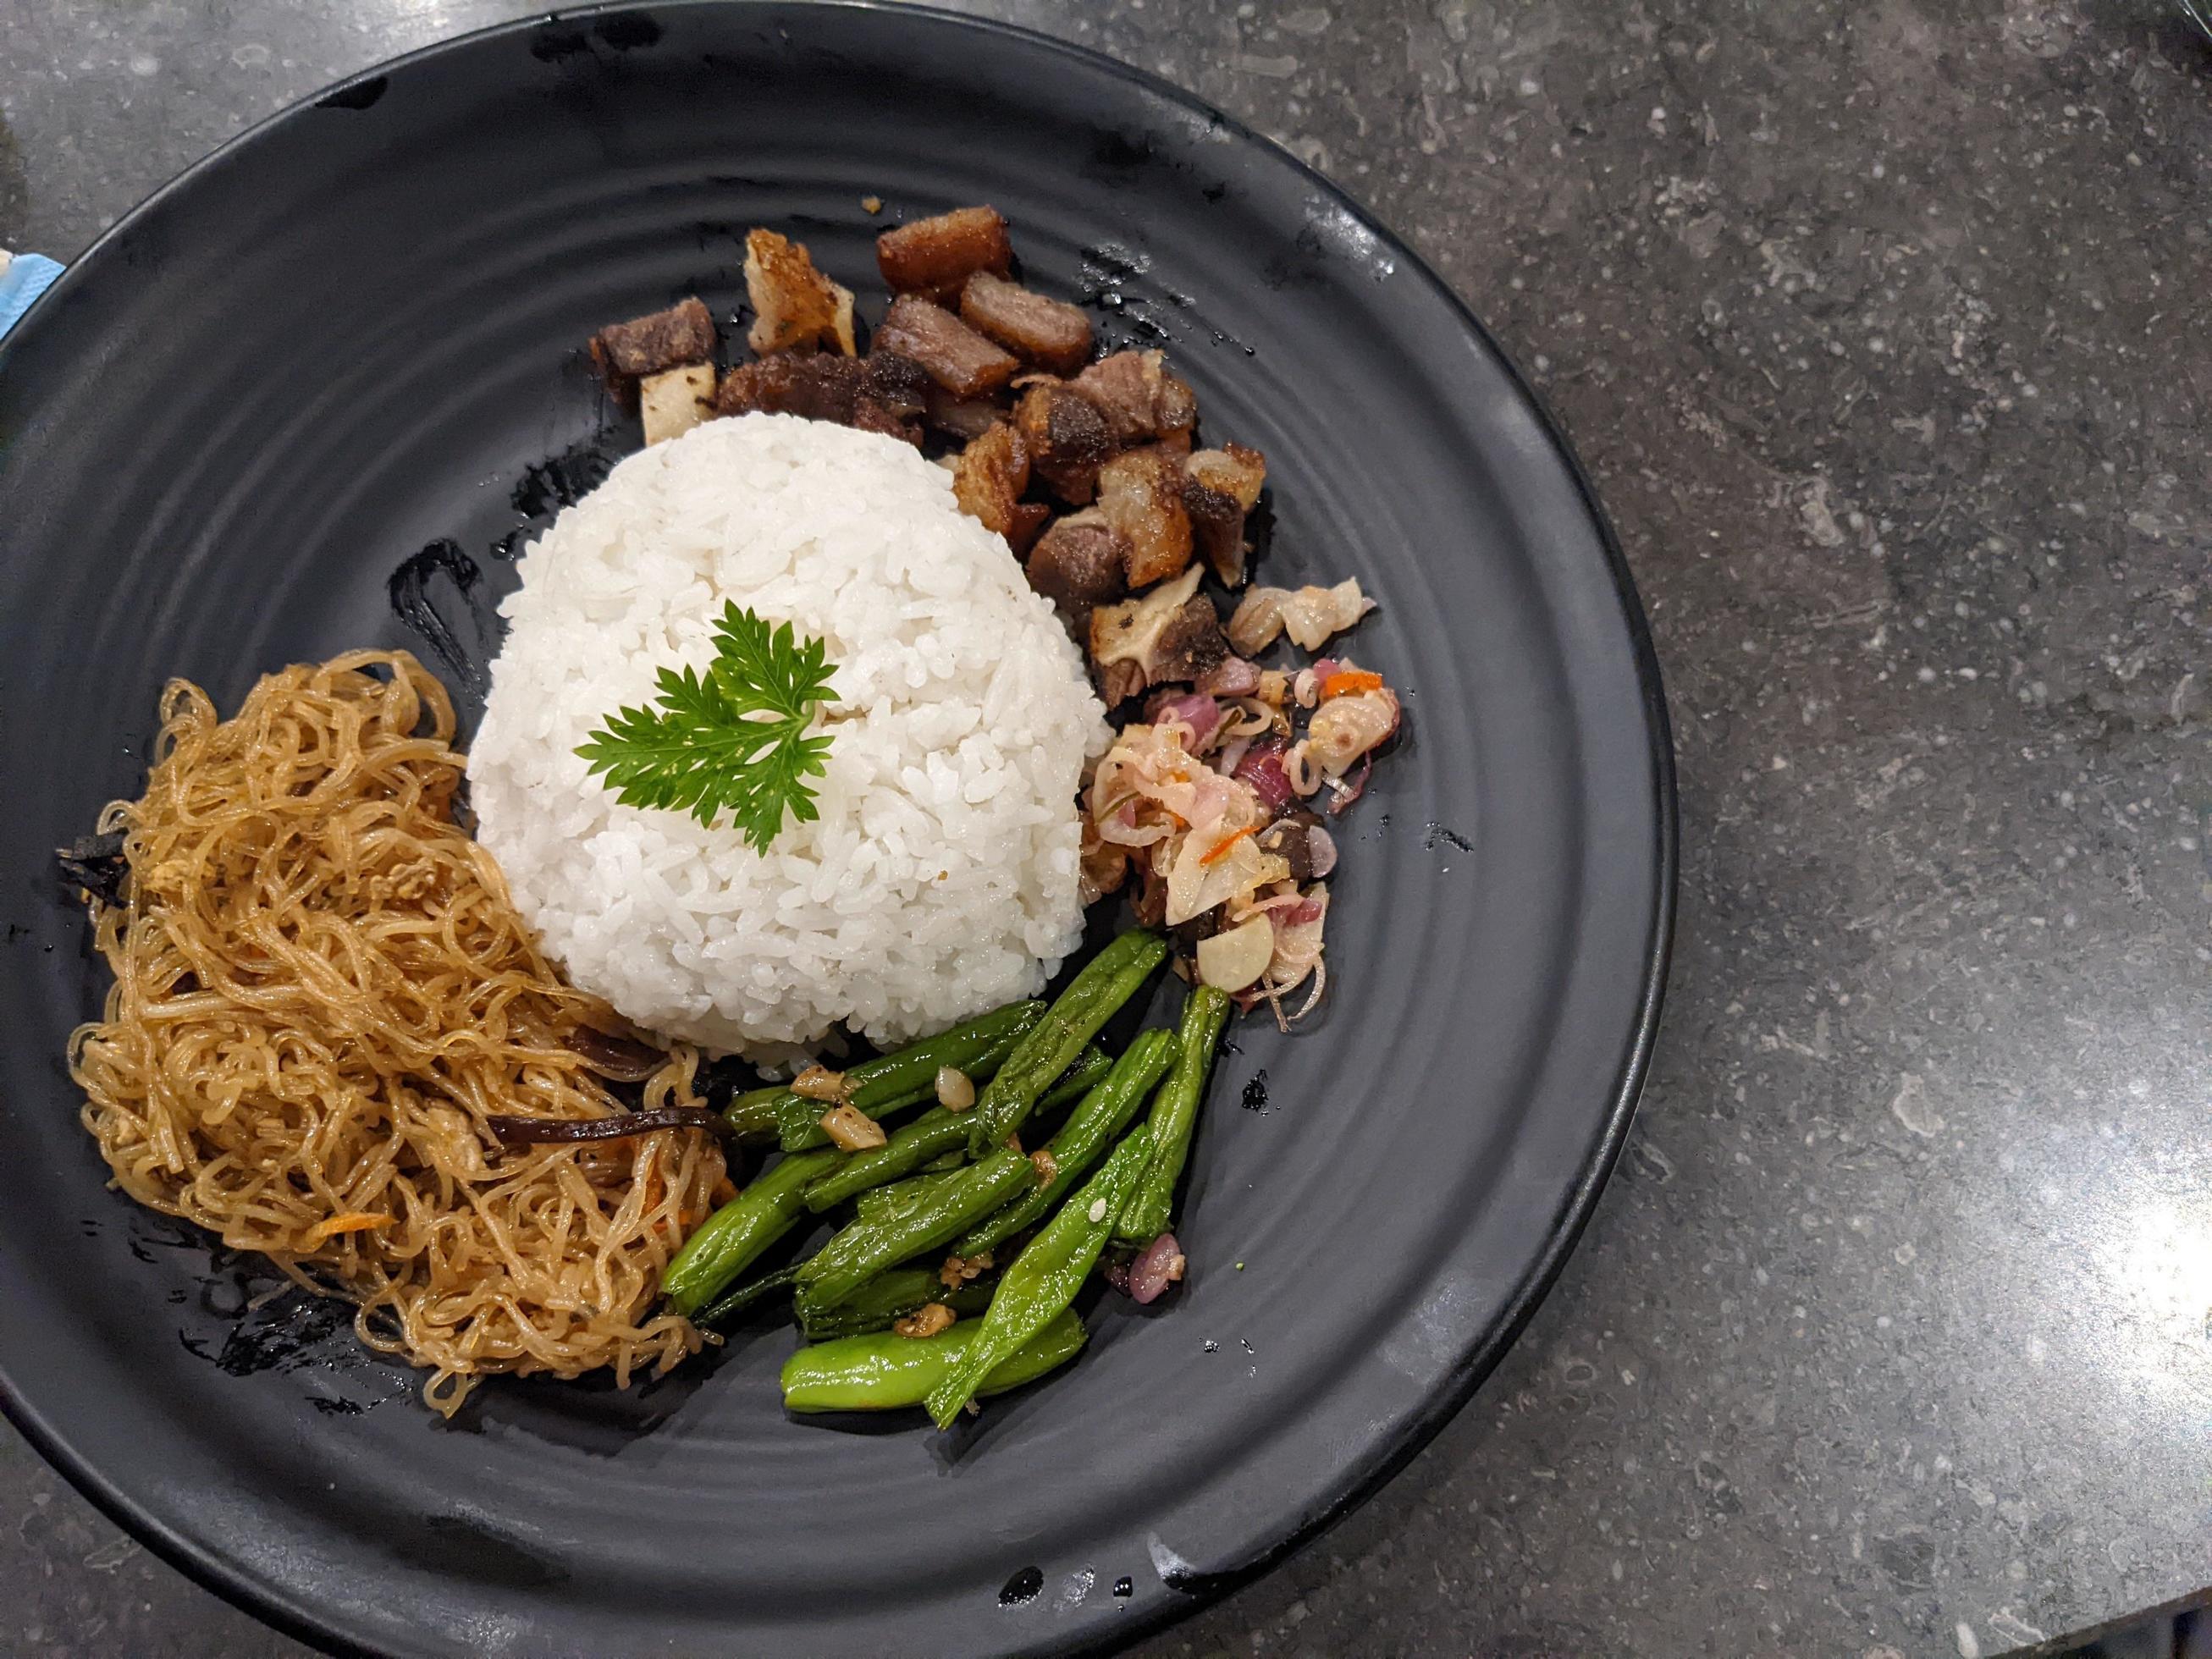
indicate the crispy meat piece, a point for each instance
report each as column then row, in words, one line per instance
column 674, row 401
column 872, row 415
column 1190, row 644
column 1103, row 867
column 959, row 417
column 1140, row 493
column 855, row 391
column 1170, row 633
column 958, row 358
column 1067, row 438
column 1150, row 901
column 989, row 478
column 1176, row 410
column 935, row 256
column 1220, row 487
column 819, row 386
column 1080, row 561
column 1141, row 401
column 795, row 306
column 894, row 391
column 1030, row 518
column 898, row 383
column 1050, row 333
column 626, row 353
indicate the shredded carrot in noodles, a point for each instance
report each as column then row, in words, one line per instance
column 359, row 1221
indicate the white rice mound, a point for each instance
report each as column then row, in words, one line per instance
column 940, row 880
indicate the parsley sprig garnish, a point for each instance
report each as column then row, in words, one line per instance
column 733, row 740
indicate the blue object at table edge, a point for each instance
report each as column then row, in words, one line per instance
column 22, row 279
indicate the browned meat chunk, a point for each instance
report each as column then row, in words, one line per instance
column 958, row 358
column 819, row 386
column 1189, row 644
column 1141, row 401
column 894, row 391
column 935, row 256
column 1141, row 494
column 989, row 478
column 1150, row 901
column 870, row 393
column 795, row 306
column 1030, row 518
column 960, row 417
column 1169, row 634
column 1102, row 867
column 1066, row 439
column 1050, row 333
column 898, row 383
column 1082, row 561
column 1176, row 410
column 1220, row 486
column 626, row 352
column 872, row 415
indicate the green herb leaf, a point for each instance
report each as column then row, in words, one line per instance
column 733, row 740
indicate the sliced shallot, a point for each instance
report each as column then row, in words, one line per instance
column 1261, row 771
column 1158, row 1265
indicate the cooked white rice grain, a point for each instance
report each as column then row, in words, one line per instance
column 940, row 878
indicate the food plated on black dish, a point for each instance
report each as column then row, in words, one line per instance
column 376, row 1032
column 1366, row 1203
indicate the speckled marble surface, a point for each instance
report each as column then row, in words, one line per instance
column 1881, row 327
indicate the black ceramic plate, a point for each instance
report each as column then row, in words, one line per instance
column 354, row 333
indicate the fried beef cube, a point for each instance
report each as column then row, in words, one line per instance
column 988, row 477
column 1049, row 333
column 898, row 383
column 815, row 385
column 935, row 257
column 1102, row 867
column 796, row 307
column 1220, row 487
column 958, row 358
column 673, row 402
column 626, row 353
column 964, row 418
column 1140, row 493
column 1065, row 436
column 1168, row 635
column 869, row 415
column 1030, row 518
column 1081, row 562
column 1141, row 401
column 894, row 391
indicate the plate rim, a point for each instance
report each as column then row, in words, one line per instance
column 1461, row 1379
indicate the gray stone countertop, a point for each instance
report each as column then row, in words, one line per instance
column 1883, row 327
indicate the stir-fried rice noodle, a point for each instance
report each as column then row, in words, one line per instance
column 321, row 991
